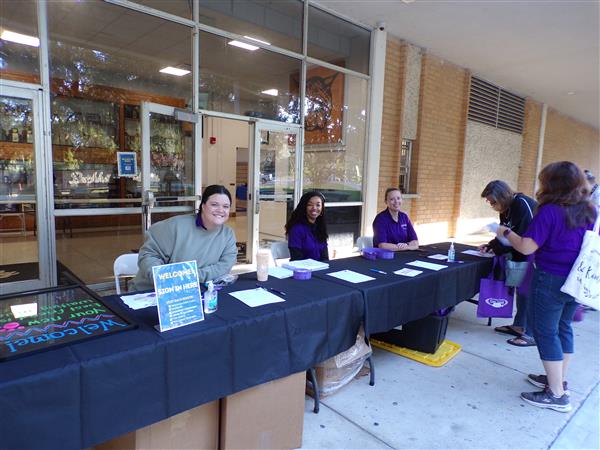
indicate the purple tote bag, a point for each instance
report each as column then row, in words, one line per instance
column 495, row 299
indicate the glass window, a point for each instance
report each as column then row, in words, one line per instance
column 334, row 138
column 104, row 61
column 256, row 83
column 337, row 41
column 19, row 42
column 182, row 8
column 278, row 22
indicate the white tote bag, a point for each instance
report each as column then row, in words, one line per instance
column 583, row 281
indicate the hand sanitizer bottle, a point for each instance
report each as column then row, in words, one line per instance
column 451, row 253
column 210, row 298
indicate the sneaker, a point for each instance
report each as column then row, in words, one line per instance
column 546, row 399
column 541, row 381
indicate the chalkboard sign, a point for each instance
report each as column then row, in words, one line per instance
column 47, row 318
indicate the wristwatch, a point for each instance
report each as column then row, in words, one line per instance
column 506, row 232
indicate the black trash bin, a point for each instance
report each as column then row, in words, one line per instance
column 424, row 335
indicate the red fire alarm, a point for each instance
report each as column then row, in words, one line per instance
column 213, row 140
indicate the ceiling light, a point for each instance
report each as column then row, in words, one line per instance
column 243, row 45
column 20, row 38
column 257, row 40
column 174, row 71
column 273, row 92
column 571, row 93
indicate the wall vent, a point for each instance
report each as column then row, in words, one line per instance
column 492, row 105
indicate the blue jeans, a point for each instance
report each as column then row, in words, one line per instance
column 550, row 313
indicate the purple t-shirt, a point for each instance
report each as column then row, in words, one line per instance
column 558, row 244
column 386, row 229
column 302, row 237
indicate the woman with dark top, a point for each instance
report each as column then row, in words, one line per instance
column 392, row 229
column 555, row 235
column 306, row 230
column 516, row 212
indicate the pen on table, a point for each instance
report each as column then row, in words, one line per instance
column 378, row 271
column 276, row 291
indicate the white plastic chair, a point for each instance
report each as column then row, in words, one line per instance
column 125, row 265
column 364, row 242
column 280, row 250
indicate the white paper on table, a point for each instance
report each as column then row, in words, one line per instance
column 280, row 272
column 427, row 265
column 256, row 297
column 310, row 264
column 478, row 253
column 408, row 272
column 439, row 256
column 139, row 301
column 351, row 276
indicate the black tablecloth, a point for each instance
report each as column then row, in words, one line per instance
column 392, row 300
column 84, row 394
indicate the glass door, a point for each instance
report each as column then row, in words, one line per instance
column 25, row 261
column 273, row 182
column 170, row 168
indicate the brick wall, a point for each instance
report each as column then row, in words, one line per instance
column 529, row 149
column 567, row 139
column 440, row 143
column 392, row 117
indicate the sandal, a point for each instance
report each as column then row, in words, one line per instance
column 522, row 341
column 508, row 329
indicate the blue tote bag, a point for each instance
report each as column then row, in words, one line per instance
column 495, row 299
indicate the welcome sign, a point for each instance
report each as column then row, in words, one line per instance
column 177, row 294
column 48, row 318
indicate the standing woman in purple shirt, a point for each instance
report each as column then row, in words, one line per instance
column 555, row 236
column 306, row 230
column 392, row 229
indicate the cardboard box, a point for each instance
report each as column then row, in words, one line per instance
column 197, row 428
column 268, row 416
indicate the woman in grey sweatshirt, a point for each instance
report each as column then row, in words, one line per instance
column 204, row 238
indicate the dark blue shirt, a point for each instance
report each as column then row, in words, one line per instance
column 303, row 243
column 386, row 229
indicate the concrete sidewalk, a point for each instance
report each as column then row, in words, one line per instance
column 471, row 402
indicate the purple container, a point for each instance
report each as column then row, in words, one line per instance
column 369, row 253
column 302, row 274
column 380, row 252
column 385, row 254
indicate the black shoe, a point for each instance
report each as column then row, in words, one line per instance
column 546, row 399
column 541, row 381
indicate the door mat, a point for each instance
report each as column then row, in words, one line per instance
column 445, row 353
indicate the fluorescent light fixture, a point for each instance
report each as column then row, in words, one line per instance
column 257, row 40
column 19, row 38
column 273, row 92
column 174, row 71
column 243, row 45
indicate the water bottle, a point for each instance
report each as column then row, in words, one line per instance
column 210, row 298
column 451, row 253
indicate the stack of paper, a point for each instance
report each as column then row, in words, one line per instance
column 139, row 301
column 309, row 264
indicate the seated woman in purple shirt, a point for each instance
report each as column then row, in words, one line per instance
column 392, row 229
column 306, row 230
column 555, row 236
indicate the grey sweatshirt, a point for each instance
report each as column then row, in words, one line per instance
column 178, row 239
